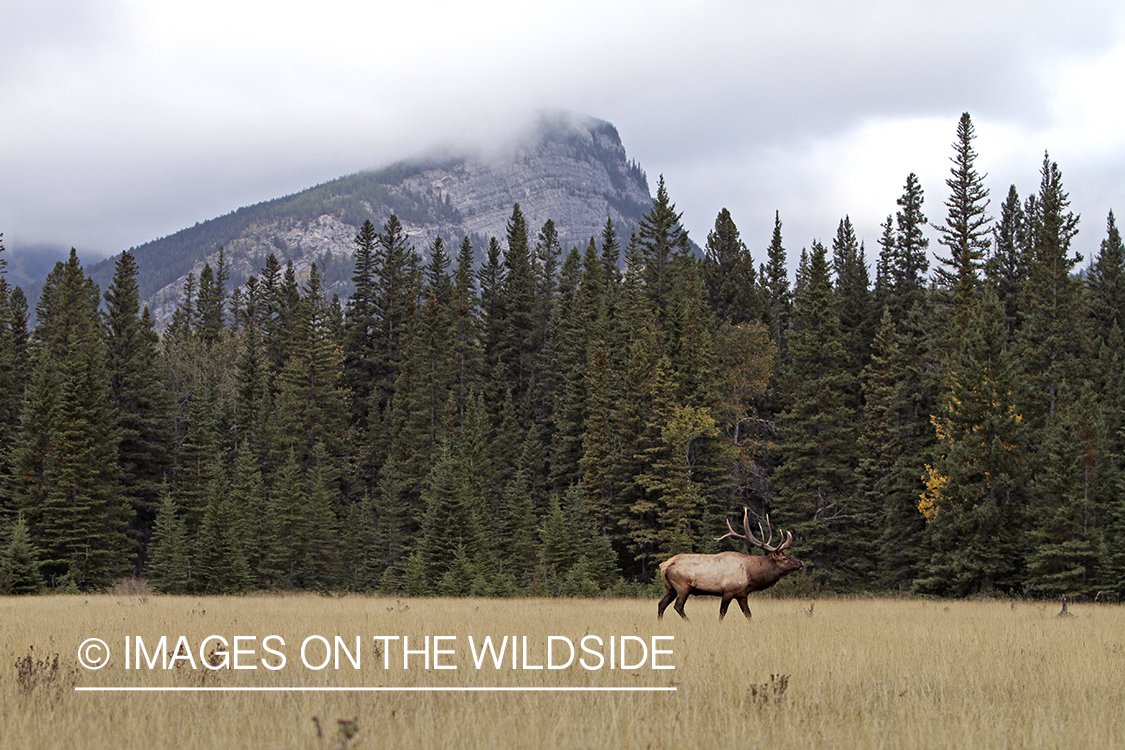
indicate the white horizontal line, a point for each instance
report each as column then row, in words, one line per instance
column 232, row 689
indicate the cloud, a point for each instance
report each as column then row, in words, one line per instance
column 129, row 120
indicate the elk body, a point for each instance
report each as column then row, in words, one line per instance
column 731, row 575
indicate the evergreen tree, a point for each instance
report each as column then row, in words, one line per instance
column 775, row 278
column 516, row 344
column 965, row 232
column 1053, row 337
column 14, row 375
column 854, row 295
column 210, row 305
column 816, row 479
column 251, row 502
column 195, row 458
column 396, row 266
column 889, row 468
column 911, row 261
column 184, row 316
column 1006, row 267
column 729, row 273
column 466, row 305
column 168, row 563
column 142, row 406
column 1106, row 282
column 490, row 278
column 288, row 504
column 518, row 517
column 449, row 529
column 65, row 458
column 252, row 397
column 311, row 406
column 1114, row 564
column 318, row 542
column 19, row 562
column 570, row 348
column 1069, row 504
column 664, row 242
column 418, row 416
column 220, row 561
column 359, row 544
column 883, row 294
column 611, row 253
column 974, row 498
column 360, row 321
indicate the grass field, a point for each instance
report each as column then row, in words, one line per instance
column 830, row 673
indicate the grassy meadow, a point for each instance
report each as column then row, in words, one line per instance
column 825, row 673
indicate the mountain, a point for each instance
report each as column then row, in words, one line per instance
column 567, row 168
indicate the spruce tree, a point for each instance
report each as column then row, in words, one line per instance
column 210, row 315
column 359, row 547
column 142, row 406
column 288, row 504
column 65, row 459
column 855, row 302
column 664, row 241
column 418, row 416
column 490, row 278
column 14, row 374
column 360, row 321
column 1069, row 500
column 611, row 253
column 775, row 279
column 816, row 478
column 320, row 531
column 911, row 261
column 516, row 345
column 310, row 405
column 449, row 526
column 728, row 270
column 19, row 562
column 251, row 502
column 1106, row 282
column 1054, row 338
column 974, row 499
column 965, row 232
column 464, row 321
column 570, row 350
column 220, row 559
column 890, row 467
column 1006, row 267
column 168, row 564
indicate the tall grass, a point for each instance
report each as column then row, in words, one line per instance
column 863, row 673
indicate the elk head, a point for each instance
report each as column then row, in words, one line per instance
column 775, row 552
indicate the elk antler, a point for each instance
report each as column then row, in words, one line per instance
column 749, row 535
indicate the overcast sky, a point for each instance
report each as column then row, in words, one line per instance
column 126, row 120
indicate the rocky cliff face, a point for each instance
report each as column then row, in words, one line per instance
column 571, row 170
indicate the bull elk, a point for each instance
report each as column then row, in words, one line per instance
column 731, row 575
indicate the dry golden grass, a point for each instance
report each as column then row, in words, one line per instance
column 862, row 673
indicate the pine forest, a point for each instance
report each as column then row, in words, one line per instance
column 942, row 418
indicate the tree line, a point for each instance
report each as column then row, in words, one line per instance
column 558, row 423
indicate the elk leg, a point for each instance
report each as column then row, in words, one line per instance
column 668, row 597
column 679, row 605
column 745, row 608
column 723, row 606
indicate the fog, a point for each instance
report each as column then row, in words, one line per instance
column 126, row 121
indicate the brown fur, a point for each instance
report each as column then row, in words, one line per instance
column 731, row 575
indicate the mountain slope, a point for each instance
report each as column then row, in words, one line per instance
column 568, row 169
